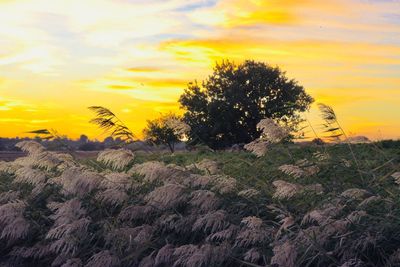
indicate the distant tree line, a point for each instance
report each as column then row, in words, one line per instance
column 83, row 143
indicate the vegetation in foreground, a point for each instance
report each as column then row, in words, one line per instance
column 294, row 206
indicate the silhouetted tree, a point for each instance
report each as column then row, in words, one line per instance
column 2, row 146
column 158, row 131
column 225, row 109
column 83, row 139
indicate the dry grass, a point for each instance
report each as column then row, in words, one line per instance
column 233, row 209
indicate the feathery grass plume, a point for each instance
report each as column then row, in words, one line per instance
column 78, row 181
column 258, row 147
column 345, row 163
column 308, row 168
column 14, row 225
column 285, row 224
column 118, row 180
column 38, row 156
column 353, row 263
column 317, row 189
column 44, row 134
column 396, row 177
column 329, row 115
column 223, row 235
column 77, row 228
column 178, row 126
column 198, row 181
column 22, row 162
column 64, row 248
column 252, row 232
column 167, row 196
column 303, row 163
column 395, row 258
column 75, row 262
column 224, row 184
column 46, row 160
column 252, row 255
column 321, row 234
column 16, row 230
column 252, row 222
column 66, row 212
column 67, row 161
column 104, row 259
column 126, row 238
column 116, row 158
column 8, row 167
column 62, row 258
column 108, row 121
column 206, row 165
column 37, row 190
column 285, row 255
column 136, row 212
column 209, row 255
column 176, row 167
column 311, row 170
column 154, row 171
column 336, row 131
column 321, row 156
column 37, row 251
column 356, row 216
column 355, row 193
column 143, row 234
column 285, row 190
column 183, row 253
column 205, row 255
column 31, row 147
column 181, row 225
column 9, row 196
column 204, row 200
column 29, row 176
column 326, row 213
column 69, row 228
column 249, row 193
column 271, row 131
column 369, row 201
column 292, row 170
column 147, row 261
column 165, row 256
column 114, row 197
column 211, row 222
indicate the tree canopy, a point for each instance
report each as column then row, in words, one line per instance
column 164, row 130
column 225, row 108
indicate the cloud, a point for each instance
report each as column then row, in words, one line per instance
column 140, row 55
column 144, row 69
column 238, row 13
column 120, row 87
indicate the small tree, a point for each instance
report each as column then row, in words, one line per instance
column 167, row 130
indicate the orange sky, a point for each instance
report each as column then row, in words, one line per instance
column 135, row 57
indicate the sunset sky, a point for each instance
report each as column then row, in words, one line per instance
column 57, row 57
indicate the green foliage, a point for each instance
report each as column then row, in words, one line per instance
column 158, row 132
column 227, row 106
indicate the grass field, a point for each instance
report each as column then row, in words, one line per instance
column 334, row 205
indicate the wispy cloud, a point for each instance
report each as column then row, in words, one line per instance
column 57, row 57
